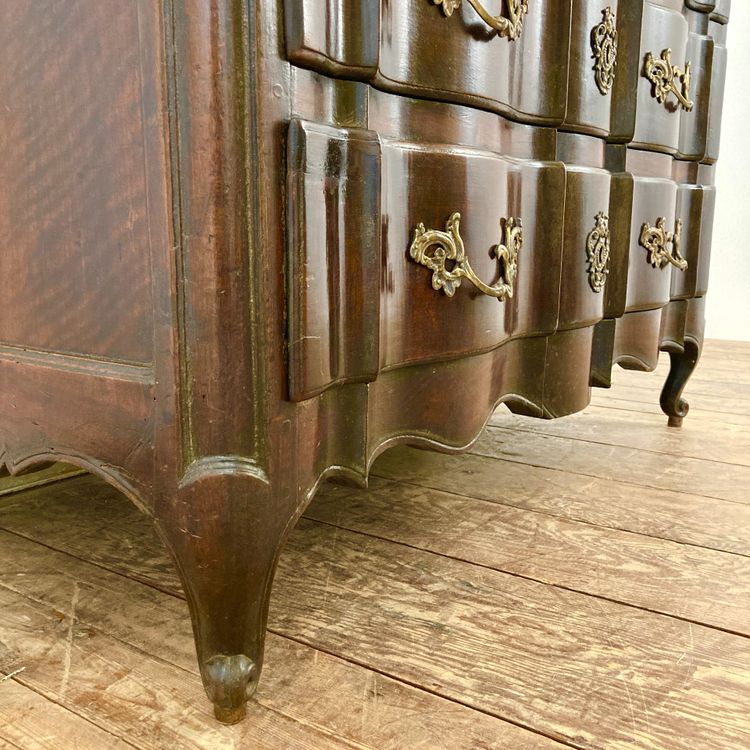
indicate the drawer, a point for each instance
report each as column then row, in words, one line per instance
column 423, row 188
column 586, row 246
column 653, row 233
column 695, row 208
column 669, row 112
column 718, row 34
column 433, row 49
column 333, row 212
column 719, row 9
column 367, row 219
column 604, row 57
column 693, row 138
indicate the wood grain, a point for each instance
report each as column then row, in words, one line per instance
column 628, row 465
column 697, row 584
column 313, row 688
column 589, row 672
column 32, row 722
column 722, row 443
column 681, row 517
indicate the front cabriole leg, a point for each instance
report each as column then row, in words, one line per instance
column 224, row 528
column 682, row 367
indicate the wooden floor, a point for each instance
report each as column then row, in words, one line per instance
column 579, row 583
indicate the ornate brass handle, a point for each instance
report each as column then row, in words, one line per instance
column 509, row 27
column 655, row 240
column 437, row 250
column 664, row 76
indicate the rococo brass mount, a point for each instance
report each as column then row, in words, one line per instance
column 597, row 252
column 448, row 248
column 664, row 76
column 655, row 241
column 509, row 27
column 604, row 43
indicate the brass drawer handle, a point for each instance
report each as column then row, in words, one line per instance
column 509, row 27
column 444, row 254
column 604, row 43
column 655, row 241
column 664, row 76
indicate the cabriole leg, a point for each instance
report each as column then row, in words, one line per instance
column 682, row 366
column 224, row 533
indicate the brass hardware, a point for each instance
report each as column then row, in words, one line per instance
column 604, row 43
column 664, row 76
column 655, row 241
column 449, row 248
column 509, row 27
column 597, row 252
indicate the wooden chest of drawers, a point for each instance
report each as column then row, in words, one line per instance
column 251, row 245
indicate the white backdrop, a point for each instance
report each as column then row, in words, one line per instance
column 728, row 302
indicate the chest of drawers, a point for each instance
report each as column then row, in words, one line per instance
column 250, row 244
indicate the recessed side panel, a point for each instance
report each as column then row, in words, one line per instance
column 82, row 175
column 333, row 256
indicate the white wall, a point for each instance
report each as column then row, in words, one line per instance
column 728, row 301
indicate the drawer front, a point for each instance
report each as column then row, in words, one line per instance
column 427, row 186
column 333, row 212
column 586, row 247
column 649, row 280
column 716, row 101
column 695, row 208
column 692, row 142
column 605, row 59
column 658, row 123
column 433, row 50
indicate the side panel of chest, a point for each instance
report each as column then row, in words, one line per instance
column 82, row 176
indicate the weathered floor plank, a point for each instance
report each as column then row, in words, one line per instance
column 715, row 442
column 611, row 462
column 704, row 586
column 306, row 686
column 31, row 722
column 576, row 667
column 680, row 517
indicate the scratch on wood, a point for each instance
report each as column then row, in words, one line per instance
column 13, row 674
column 69, row 642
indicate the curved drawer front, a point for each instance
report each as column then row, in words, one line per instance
column 664, row 40
column 718, row 80
column 587, row 247
column 604, row 65
column 421, row 320
column 649, row 275
column 695, row 208
column 435, row 50
column 460, row 58
column 333, row 230
column 692, row 142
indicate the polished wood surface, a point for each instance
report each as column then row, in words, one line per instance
column 210, row 298
column 487, row 559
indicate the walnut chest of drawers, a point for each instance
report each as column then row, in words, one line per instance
column 251, row 244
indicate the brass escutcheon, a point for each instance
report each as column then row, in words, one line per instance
column 604, row 44
column 597, row 252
